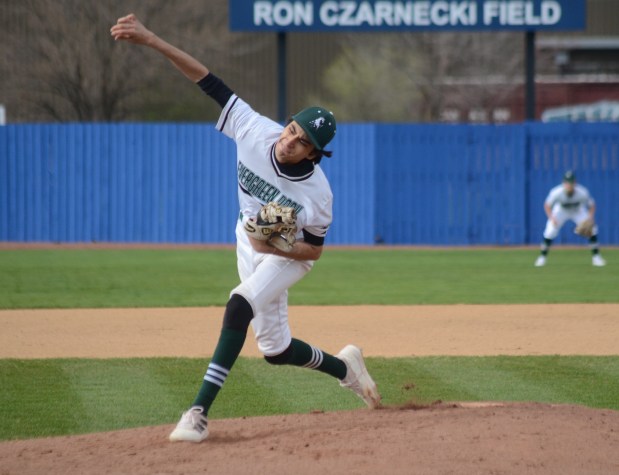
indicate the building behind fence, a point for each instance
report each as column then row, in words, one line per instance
column 393, row 184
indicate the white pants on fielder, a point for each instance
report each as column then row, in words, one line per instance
column 265, row 280
column 561, row 216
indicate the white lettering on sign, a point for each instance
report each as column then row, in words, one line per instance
column 551, row 13
column 410, row 13
column 328, row 13
column 439, row 13
column 423, row 13
column 402, row 13
column 347, row 12
column 463, row 14
column 521, row 13
column 283, row 13
column 384, row 13
column 365, row 14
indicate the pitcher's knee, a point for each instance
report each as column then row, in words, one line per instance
column 282, row 358
column 238, row 313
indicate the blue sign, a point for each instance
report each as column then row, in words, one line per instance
column 403, row 15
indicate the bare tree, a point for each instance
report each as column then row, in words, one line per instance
column 414, row 76
column 468, row 71
column 370, row 80
column 62, row 64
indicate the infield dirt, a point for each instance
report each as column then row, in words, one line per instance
column 446, row 438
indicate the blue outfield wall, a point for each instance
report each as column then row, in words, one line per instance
column 393, row 183
column 450, row 184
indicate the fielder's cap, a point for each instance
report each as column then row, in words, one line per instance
column 318, row 123
column 569, row 176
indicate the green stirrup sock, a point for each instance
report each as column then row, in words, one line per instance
column 227, row 351
column 307, row 356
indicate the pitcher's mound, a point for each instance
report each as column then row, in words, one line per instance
column 457, row 438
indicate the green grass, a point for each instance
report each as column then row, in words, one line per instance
column 65, row 396
column 172, row 278
column 115, row 278
column 409, row 276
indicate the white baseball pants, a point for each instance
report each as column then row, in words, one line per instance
column 562, row 215
column 265, row 280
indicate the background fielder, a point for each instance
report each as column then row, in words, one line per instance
column 570, row 202
column 285, row 211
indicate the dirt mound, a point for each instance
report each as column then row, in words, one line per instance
column 442, row 438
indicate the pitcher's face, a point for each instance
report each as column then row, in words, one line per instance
column 293, row 145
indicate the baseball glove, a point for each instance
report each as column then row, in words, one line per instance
column 284, row 239
column 274, row 213
column 585, row 228
column 275, row 224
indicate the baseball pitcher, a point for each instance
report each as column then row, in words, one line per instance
column 285, row 206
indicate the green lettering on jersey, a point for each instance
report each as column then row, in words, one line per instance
column 262, row 189
column 255, row 185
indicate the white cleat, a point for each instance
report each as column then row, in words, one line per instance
column 540, row 261
column 357, row 377
column 192, row 427
column 598, row 261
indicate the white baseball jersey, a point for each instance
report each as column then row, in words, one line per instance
column 262, row 179
column 559, row 198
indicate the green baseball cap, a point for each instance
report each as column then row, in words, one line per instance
column 318, row 123
column 569, row 176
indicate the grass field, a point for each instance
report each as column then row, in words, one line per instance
column 56, row 397
column 176, row 278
